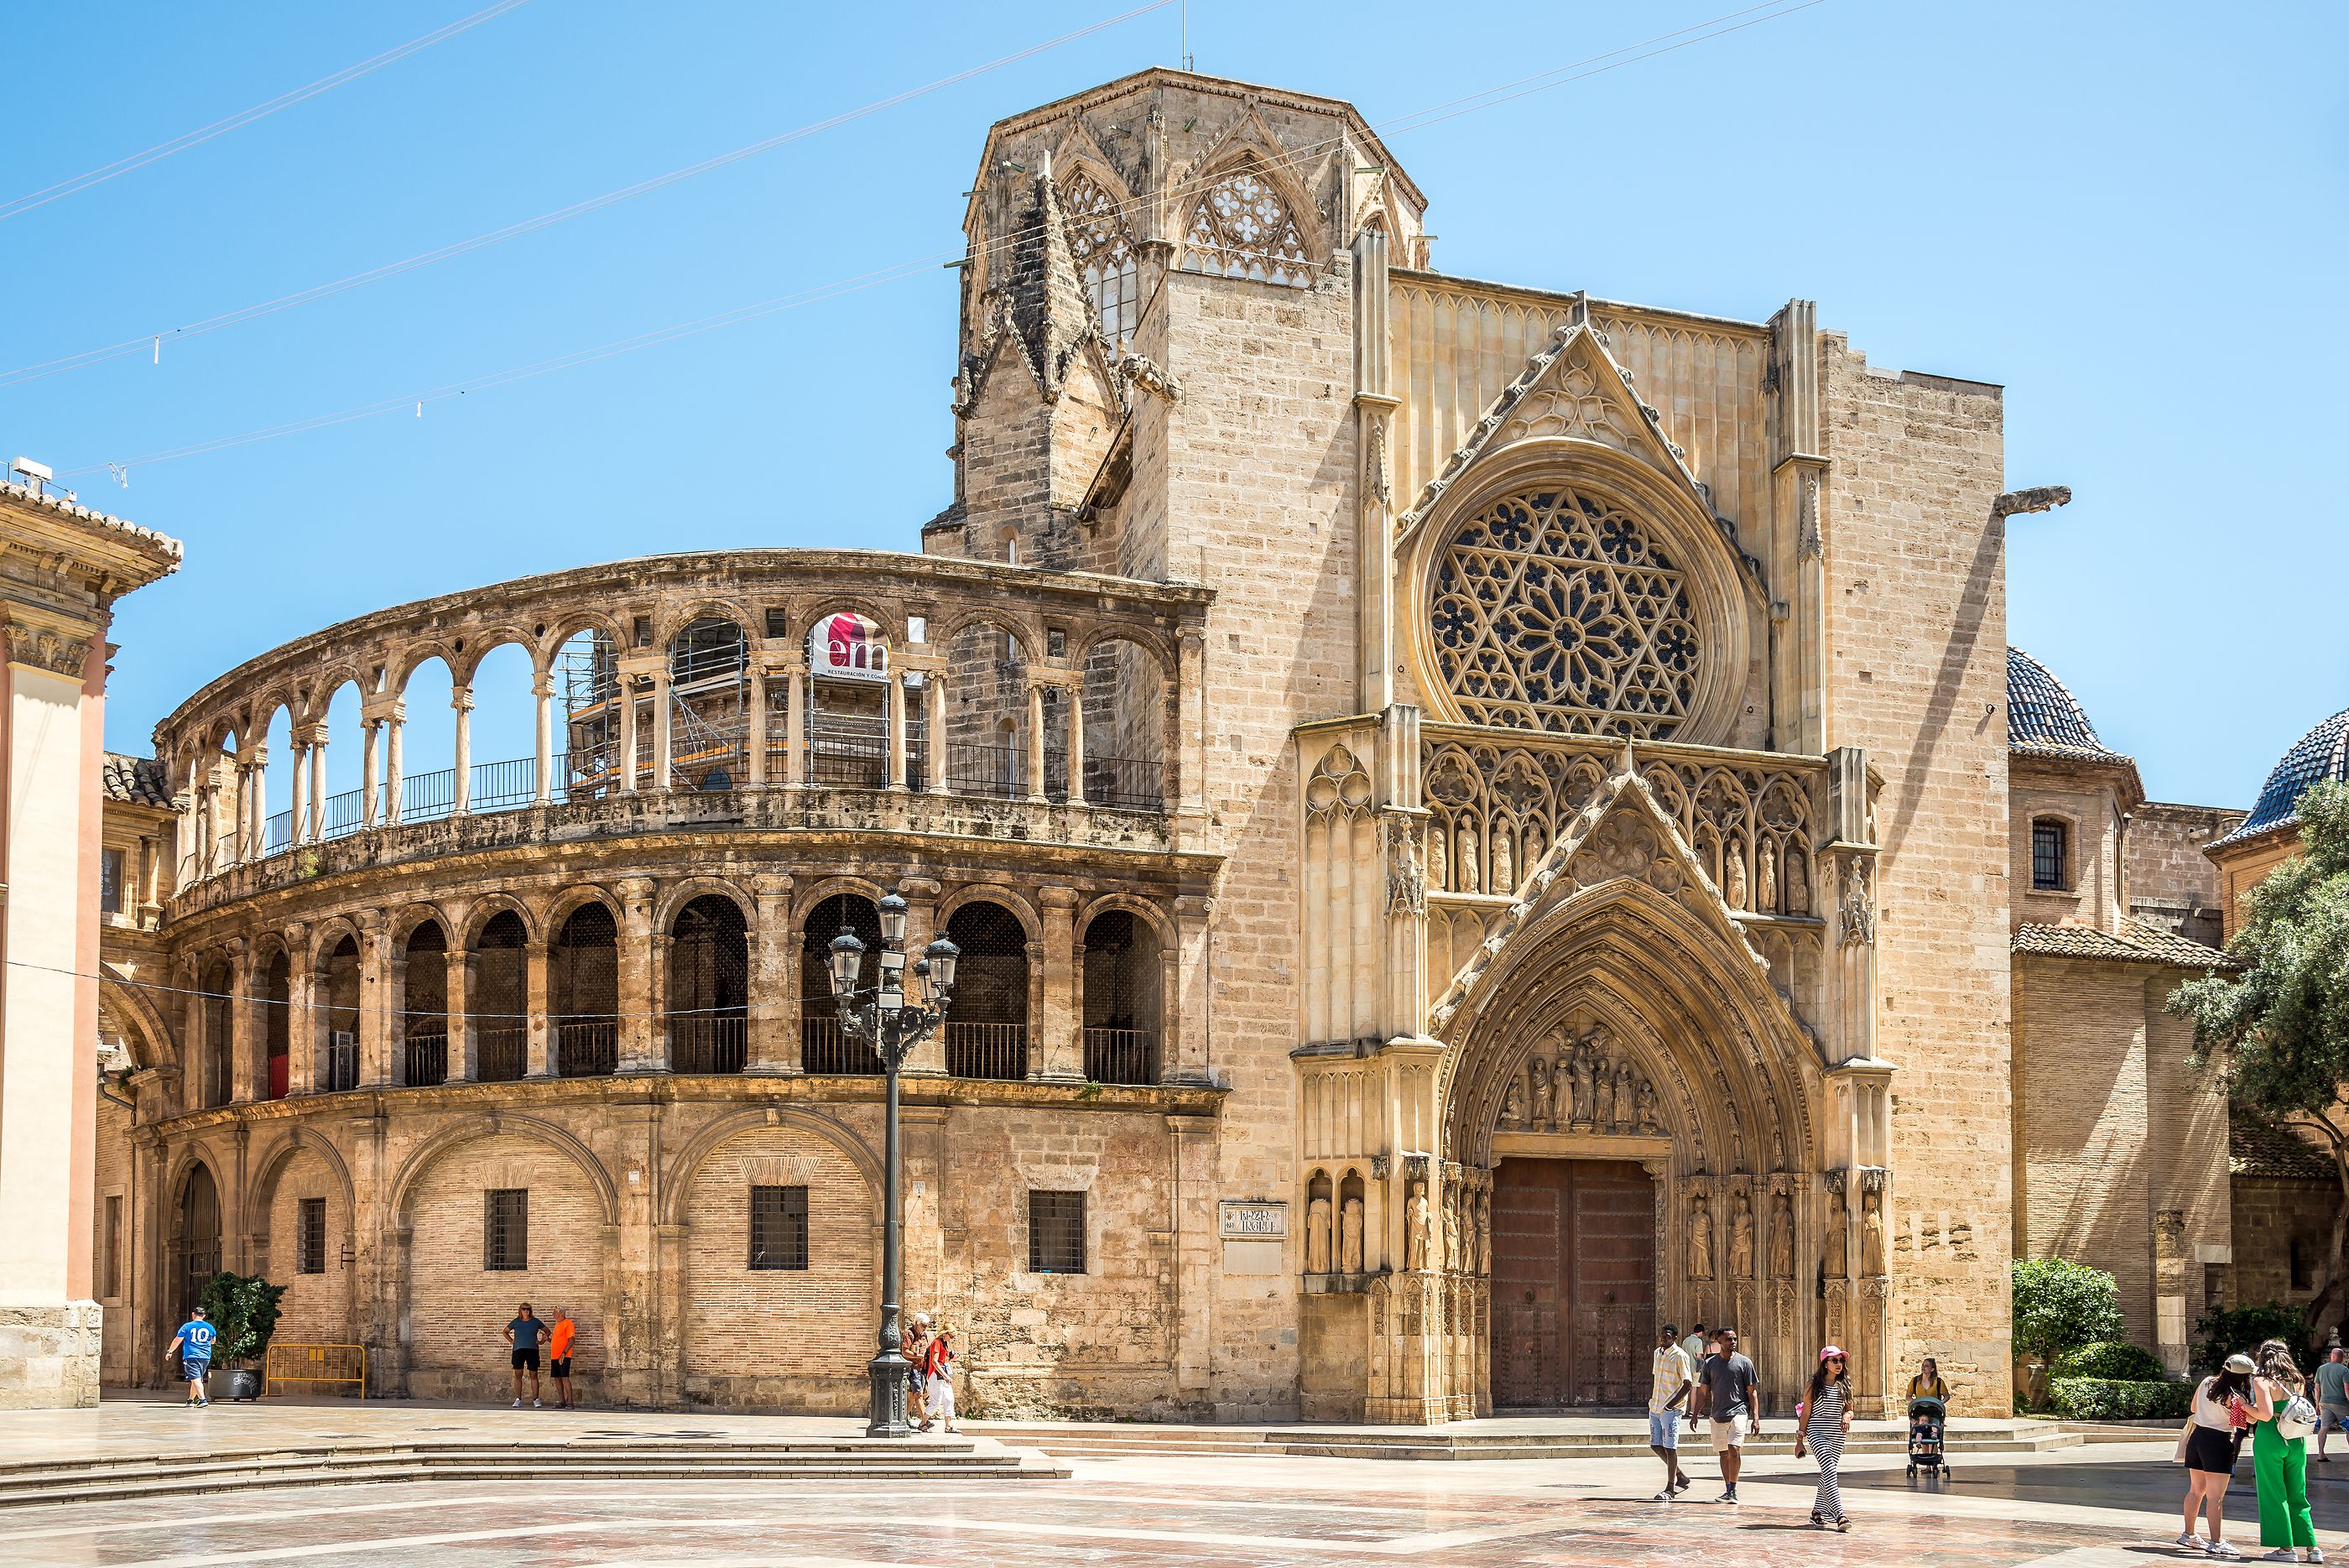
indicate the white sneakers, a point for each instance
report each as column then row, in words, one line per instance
column 517, row 1403
column 534, row 1404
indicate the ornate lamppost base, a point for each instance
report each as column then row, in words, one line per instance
column 888, row 1418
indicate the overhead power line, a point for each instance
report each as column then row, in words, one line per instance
column 1595, row 65
column 163, row 150
column 147, row 342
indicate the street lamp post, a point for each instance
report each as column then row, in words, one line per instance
column 882, row 1017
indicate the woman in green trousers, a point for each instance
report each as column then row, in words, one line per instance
column 2281, row 1466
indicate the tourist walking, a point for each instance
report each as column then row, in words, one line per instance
column 2332, row 1399
column 1698, row 1349
column 2280, row 1460
column 559, row 1341
column 2226, row 1403
column 193, row 1341
column 1822, row 1423
column 524, row 1334
column 913, row 1341
column 937, row 1380
column 1671, row 1376
column 1728, row 1382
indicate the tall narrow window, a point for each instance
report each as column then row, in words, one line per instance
column 1104, row 256
column 110, row 881
column 779, row 1227
column 1056, row 1232
column 2047, row 856
column 506, row 1229
column 310, row 1248
column 110, row 1265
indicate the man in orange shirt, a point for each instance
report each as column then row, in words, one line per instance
column 558, row 1351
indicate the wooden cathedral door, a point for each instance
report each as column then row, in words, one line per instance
column 1573, row 1270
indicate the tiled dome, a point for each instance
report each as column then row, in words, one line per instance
column 2322, row 753
column 2042, row 716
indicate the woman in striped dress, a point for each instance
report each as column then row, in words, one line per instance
column 1822, row 1422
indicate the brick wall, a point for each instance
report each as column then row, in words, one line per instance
column 1917, row 636
column 2270, row 1213
column 316, row 1308
column 2171, row 883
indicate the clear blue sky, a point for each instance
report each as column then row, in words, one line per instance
column 2132, row 217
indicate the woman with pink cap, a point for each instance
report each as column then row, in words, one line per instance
column 1821, row 1420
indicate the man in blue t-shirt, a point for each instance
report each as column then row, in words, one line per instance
column 524, row 1334
column 194, row 1345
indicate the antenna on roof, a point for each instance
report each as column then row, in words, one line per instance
column 36, row 476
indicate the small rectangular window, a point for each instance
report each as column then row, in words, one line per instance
column 778, row 623
column 110, row 1267
column 311, row 1246
column 779, row 1227
column 2047, row 856
column 1056, row 1232
column 2303, row 1271
column 110, row 881
column 506, row 1233
column 642, row 631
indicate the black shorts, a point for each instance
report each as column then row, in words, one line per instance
column 2212, row 1451
column 525, row 1360
column 558, row 1366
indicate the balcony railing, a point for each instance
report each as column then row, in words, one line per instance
column 985, row 770
column 705, row 1045
column 1122, row 1056
column 826, row 1047
column 277, row 834
column 1126, row 784
column 985, row 1050
column 503, row 1054
column 427, row 1059
column 339, row 1067
column 345, row 814
column 586, row 1048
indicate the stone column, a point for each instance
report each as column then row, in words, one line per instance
column 1035, row 739
column 370, row 755
column 541, row 692
column 624, row 762
column 1191, row 742
column 664, row 727
column 395, row 1024
column 464, row 1061
column 771, row 1048
column 921, row 896
column 376, row 1021
column 461, row 698
column 241, row 1041
column 317, row 782
column 663, row 943
column 896, row 729
column 795, row 723
column 754, row 738
column 638, row 1043
column 541, row 1046
column 934, row 695
column 297, row 818
column 1194, row 1224
column 395, row 734
column 1187, row 1062
column 300, row 1017
column 1073, row 695
column 1056, row 1031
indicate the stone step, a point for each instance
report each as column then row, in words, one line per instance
column 1137, row 1442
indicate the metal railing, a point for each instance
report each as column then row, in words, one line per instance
column 705, row 1045
column 1126, row 784
column 277, row 834
column 338, row 1068
column 588, row 1048
column 858, row 761
column 427, row 1059
column 343, row 814
column 985, row 770
column 985, row 1050
column 502, row 1055
column 826, row 1047
column 423, row 797
column 314, row 1364
column 1122, row 1056
column 500, row 786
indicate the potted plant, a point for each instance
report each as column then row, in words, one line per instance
column 244, row 1310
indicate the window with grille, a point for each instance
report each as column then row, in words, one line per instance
column 505, row 1231
column 779, row 1227
column 2047, row 856
column 110, row 881
column 310, row 1246
column 110, row 1266
column 1056, row 1232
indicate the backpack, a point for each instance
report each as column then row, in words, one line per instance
column 2297, row 1418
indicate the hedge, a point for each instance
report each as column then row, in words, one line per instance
column 2112, row 1360
column 2117, row 1399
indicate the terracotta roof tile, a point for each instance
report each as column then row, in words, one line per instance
column 140, row 781
column 2135, row 942
column 2257, row 1146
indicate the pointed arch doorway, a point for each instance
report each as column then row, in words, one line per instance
column 1574, row 1283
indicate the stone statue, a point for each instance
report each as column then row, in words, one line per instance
column 1650, row 1113
column 1534, row 845
column 1350, row 1237
column 1871, row 1234
column 1838, row 1239
column 1798, row 888
column 1586, row 1095
column 1733, row 872
column 1317, row 1236
column 1504, row 865
column 1781, row 1238
column 1468, row 879
column 1765, row 890
column 1699, row 1240
column 1626, row 1088
column 1414, row 1242
column 1513, row 1101
column 1740, row 1239
column 1452, row 1228
column 1603, row 1115
column 1438, row 861
column 1542, row 1118
column 1483, row 1231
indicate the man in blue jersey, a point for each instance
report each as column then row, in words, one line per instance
column 194, row 1344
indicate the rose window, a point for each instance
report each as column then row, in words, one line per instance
column 1556, row 611
column 1241, row 228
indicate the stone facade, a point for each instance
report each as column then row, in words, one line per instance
column 1395, row 750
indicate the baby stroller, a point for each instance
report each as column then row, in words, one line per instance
column 1926, row 1418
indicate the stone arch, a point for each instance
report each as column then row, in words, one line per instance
column 1726, row 603
column 328, row 934
column 466, row 662
column 149, row 1038
column 687, row 1161
column 317, row 1307
column 1016, row 904
column 984, row 617
column 670, row 622
column 1160, row 922
column 405, row 919
column 805, row 620
column 474, row 1129
column 675, row 895
column 487, row 907
column 262, row 1184
column 568, row 900
column 806, row 900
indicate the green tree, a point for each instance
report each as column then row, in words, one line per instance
column 2278, row 1025
column 2061, row 1306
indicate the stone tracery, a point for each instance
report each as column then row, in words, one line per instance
column 1241, row 227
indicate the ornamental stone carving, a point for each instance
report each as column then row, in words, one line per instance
column 44, row 647
column 1317, row 1236
column 1700, row 1238
column 1350, row 1237
column 1740, row 1237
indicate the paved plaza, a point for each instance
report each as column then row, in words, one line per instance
column 2099, row 1506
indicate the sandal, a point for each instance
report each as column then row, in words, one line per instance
column 1841, row 1523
